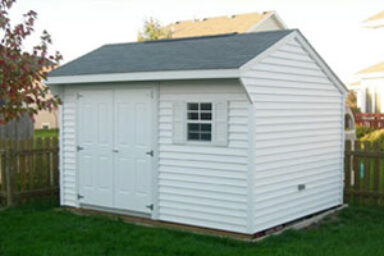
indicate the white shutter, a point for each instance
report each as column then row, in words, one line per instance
column 220, row 125
column 179, row 119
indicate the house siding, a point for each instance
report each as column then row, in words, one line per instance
column 298, row 137
column 199, row 184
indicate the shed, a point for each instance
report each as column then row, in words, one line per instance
column 236, row 132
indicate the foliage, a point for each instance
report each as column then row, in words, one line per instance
column 351, row 99
column 21, row 71
column 44, row 133
column 41, row 230
column 374, row 136
column 361, row 131
column 355, row 110
column 152, row 30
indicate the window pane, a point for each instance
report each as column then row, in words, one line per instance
column 206, row 106
column 193, row 136
column 193, row 106
column 205, row 127
column 193, row 116
column 193, row 127
column 205, row 116
column 205, row 136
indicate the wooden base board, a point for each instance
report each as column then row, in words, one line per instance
column 297, row 224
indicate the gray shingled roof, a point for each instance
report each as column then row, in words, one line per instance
column 195, row 53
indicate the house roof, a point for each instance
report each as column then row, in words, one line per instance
column 227, row 51
column 375, row 17
column 217, row 25
column 377, row 68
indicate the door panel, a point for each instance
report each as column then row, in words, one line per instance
column 95, row 137
column 115, row 133
column 133, row 141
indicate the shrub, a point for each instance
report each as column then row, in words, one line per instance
column 361, row 131
column 375, row 136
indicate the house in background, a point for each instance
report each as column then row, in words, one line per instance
column 234, row 132
column 369, row 86
column 375, row 21
column 45, row 119
column 369, row 89
column 240, row 23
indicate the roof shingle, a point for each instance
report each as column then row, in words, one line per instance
column 216, row 25
column 379, row 67
column 197, row 53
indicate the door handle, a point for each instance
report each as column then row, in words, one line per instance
column 115, row 150
column 150, row 153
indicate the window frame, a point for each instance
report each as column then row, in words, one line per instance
column 199, row 121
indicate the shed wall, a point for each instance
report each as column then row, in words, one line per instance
column 198, row 185
column 298, row 137
column 204, row 185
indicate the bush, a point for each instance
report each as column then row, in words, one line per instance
column 361, row 131
column 355, row 110
column 375, row 136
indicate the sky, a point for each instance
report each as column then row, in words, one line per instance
column 333, row 27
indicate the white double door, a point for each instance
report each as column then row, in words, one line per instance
column 114, row 151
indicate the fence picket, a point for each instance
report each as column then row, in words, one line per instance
column 376, row 173
column 365, row 175
column 30, row 164
column 347, row 174
column 356, row 174
column 39, row 163
column 55, row 163
column 22, row 165
column 47, row 161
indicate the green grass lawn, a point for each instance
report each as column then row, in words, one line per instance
column 44, row 230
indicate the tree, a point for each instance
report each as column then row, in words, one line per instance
column 351, row 101
column 152, row 30
column 22, row 71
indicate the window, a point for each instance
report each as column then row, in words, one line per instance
column 45, row 126
column 199, row 121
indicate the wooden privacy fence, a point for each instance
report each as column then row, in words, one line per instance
column 371, row 120
column 364, row 173
column 28, row 170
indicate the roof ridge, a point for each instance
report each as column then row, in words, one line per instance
column 199, row 37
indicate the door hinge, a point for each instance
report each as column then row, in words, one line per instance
column 79, row 197
column 150, row 153
column 150, row 206
column 78, row 95
column 78, row 148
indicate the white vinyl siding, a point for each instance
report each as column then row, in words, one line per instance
column 297, row 137
column 68, row 149
column 204, row 185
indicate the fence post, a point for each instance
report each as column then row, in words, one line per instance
column 9, row 177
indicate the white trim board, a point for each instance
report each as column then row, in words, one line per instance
column 145, row 76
